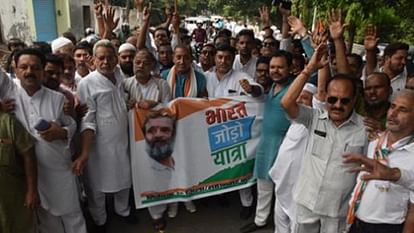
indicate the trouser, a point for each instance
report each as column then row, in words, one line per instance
column 157, row 211
column 283, row 222
column 364, row 227
column 96, row 202
column 309, row 222
column 68, row 223
column 264, row 201
column 246, row 197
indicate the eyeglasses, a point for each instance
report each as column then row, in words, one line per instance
column 269, row 44
column 334, row 99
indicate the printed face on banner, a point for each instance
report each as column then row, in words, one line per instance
column 201, row 148
column 159, row 137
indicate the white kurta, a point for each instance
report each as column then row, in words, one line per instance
column 109, row 167
column 249, row 67
column 284, row 171
column 56, row 183
column 229, row 85
column 155, row 89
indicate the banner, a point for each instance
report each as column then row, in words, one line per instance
column 194, row 148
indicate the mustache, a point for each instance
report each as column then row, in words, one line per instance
column 338, row 109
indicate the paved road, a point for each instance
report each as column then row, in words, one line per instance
column 209, row 218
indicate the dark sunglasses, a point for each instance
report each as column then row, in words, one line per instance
column 334, row 99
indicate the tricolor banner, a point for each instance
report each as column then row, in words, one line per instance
column 210, row 149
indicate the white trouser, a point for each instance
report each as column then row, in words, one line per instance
column 68, row 223
column 309, row 222
column 283, row 222
column 246, row 197
column 157, row 211
column 264, row 201
column 96, row 203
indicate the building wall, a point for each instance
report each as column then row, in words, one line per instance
column 63, row 19
column 16, row 18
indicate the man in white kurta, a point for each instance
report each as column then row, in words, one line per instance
column 60, row 208
column 104, row 131
column 225, row 81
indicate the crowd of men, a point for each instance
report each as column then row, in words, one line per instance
column 334, row 150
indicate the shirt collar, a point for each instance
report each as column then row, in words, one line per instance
column 352, row 119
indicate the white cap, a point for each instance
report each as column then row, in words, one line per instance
column 126, row 47
column 310, row 88
column 59, row 43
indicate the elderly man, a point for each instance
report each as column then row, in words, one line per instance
column 379, row 205
column 143, row 89
column 62, row 45
column 40, row 110
column 183, row 80
column 104, row 132
column 126, row 54
column 322, row 204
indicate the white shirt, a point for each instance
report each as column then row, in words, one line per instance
column 324, row 184
column 249, row 67
column 56, row 182
column 155, row 89
column 284, row 171
column 109, row 168
column 380, row 206
column 229, row 85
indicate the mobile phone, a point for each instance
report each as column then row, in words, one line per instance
column 42, row 125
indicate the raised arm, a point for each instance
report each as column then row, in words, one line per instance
column 264, row 16
column 110, row 22
column 289, row 99
column 144, row 28
column 370, row 44
column 99, row 18
column 336, row 29
column 168, row 16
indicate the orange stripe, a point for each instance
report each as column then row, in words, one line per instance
column 222, row 182
column 180, row 108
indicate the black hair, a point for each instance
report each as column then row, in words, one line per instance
column 285, row 54
column 246, row 32
column 358, row 58
column 43, row 46
column 391, row 49
column 263, row 60
column 54, row 59
column 33, row 52
column 224, row 32
column 84, row 45
column 226, row 48
column 70, row 36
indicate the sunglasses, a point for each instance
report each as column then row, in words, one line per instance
column 334, row 99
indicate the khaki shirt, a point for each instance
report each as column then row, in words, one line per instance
column 324, row 185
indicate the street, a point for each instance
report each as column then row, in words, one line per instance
column 209, row 218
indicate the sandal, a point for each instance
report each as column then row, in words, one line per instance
column 159, row 225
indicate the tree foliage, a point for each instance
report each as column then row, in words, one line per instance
column 394, row 19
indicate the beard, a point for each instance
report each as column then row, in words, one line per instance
column 159, row 149
column 127, row 68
